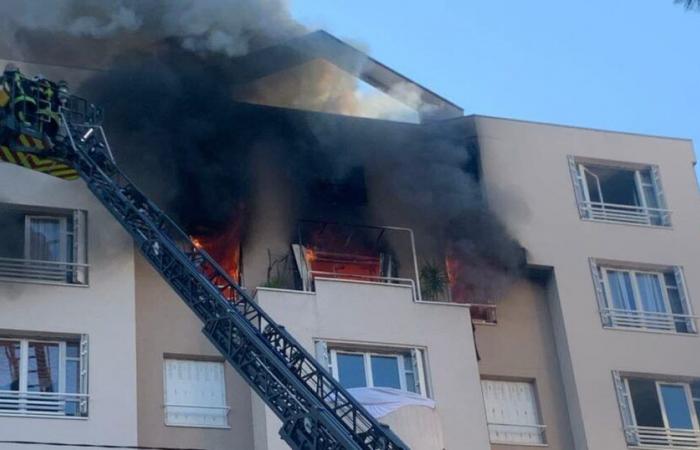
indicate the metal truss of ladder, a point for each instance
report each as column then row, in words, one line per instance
column 316, row 412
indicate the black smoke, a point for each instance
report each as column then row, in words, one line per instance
column 167, row 92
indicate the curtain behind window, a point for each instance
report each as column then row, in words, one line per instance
column 621, row 290
column 45, row 239
column 652, row 297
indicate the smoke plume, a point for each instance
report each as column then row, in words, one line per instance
column 169, row 89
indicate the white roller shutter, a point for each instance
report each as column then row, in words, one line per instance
column 195, row 393
column 511, row 412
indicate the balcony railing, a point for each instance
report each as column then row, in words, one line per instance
column 516, row 433
column 638, row 215
column 43, row 403
column 666, row 438
column 27, row 270
column 657, row 321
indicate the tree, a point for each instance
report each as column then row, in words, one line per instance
column 690, row 4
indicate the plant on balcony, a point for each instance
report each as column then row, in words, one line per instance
column 433, row 281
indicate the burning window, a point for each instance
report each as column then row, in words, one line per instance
column 224, row 246
column 343, row 252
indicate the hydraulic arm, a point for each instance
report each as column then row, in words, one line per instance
column 43, row 127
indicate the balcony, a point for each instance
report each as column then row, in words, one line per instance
column 629, row 214
column 49, row 272
column 653, row 321
column 351, row 253
column 665, row 438
column 43, row 404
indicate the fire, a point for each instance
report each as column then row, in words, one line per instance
column 459, row 290
column 332, row 252
column 462, row 291
column 310, row 255
column 224, row 247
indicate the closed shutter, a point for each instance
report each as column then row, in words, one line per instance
column 578, row 187
column 195, row 393
column 685, row 301
column 625, row 404
column 600, row 292
column 511, row 412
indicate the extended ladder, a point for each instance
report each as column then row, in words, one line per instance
column 316, row 412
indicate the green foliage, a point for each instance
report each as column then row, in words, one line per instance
column 433, row 281
column 690, row 4
column 275, row 283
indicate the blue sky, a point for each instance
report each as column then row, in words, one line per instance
column 627, row 65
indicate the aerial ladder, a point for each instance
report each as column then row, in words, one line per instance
column 45, row 128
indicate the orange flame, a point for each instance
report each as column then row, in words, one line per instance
column 225, row 248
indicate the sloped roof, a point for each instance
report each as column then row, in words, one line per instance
column 321, row 44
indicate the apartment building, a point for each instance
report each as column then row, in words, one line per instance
column 593, row 346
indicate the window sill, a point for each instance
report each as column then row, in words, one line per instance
column 651, row 331
column 43, row 282
column 617, row 222
column 42, row 416
column 209, row 427
column 518, row 444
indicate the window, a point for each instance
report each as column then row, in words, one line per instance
column 659, row 412
column 647, row 299
column 43, row 376
column 619, row 194
column 512, row 413
column 43, row 245
column 195, row 393
column 401, row 369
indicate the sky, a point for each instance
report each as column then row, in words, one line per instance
column 621, row 65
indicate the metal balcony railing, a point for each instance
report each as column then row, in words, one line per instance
column 27, row 270
column 510, row 433
column 638, row 215
column 43, row 403
column 666, row 438
column 657, row 321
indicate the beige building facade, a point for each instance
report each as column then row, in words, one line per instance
column 593, row 347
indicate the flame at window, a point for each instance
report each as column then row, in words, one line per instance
column 225, row 248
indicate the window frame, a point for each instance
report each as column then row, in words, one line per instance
column 367, row 360
column 635, row 287
column 664, row 416
column 647, row 321
column 71, row 266
column 326, row 354
column 578, row 167
column 63, row 358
